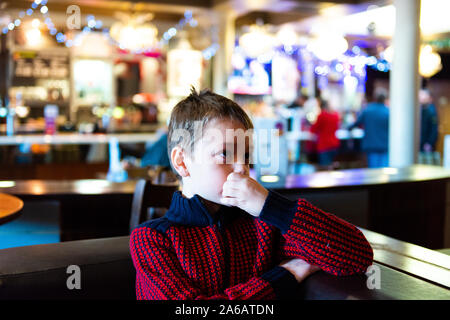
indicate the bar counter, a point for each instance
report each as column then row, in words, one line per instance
column 411, row 204
column 416, row 198
column 76, row 138
column 320, row 180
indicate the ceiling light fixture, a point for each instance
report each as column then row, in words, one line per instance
column 133, row 32
column 328, row 46
column 257, row 41
column 429, row 61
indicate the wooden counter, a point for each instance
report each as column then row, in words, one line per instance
column 428, row 265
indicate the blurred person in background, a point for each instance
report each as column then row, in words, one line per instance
column 295, row 114
column 299, row 102
column 375, row 121
column 428, row 122
column 311, row 109
column 156, row 152
column 325, row 129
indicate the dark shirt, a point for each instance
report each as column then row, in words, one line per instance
column 156, row 154
column 428, row 126
column 375, row 121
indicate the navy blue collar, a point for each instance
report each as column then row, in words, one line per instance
column 192, row 212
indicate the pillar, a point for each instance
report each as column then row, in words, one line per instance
column 404, row 85
column 222, row 60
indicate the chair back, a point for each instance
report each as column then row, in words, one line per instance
column 150, row 200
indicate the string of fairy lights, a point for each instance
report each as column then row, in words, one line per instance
column 93, row 24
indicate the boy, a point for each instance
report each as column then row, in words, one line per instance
column 225, row 236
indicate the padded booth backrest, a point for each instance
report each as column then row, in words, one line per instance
column 40, row 271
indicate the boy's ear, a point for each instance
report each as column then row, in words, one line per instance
column 177, row 157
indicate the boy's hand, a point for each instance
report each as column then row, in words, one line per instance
column 299, row 268
column 244, row 192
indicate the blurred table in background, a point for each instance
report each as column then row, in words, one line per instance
column 63, row 156
column 88, row 208
column 10, row 207
column 76, row 138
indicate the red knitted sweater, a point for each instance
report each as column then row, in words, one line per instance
column 190, row 254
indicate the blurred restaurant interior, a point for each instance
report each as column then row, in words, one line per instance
column 87, row 88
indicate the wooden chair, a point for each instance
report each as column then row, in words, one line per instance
column 151, row 200
column 161, row 175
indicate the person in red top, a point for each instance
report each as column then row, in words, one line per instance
column 325, row 129
column 225, row 236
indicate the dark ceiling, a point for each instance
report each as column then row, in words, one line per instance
column 271, row 11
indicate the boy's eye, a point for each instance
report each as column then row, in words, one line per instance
column 222, row 154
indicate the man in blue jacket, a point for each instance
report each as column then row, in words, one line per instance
column 428, row 123
column 375, row 121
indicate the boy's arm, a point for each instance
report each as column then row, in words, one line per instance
column 317, row 237
column 162, row 277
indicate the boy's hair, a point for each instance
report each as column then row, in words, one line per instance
column 202, row 108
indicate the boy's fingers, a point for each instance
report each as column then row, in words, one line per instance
column 233, row 184
column 229, row 201
column 235, row 176
column 229, row 191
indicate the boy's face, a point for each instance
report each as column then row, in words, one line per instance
column 225, row 147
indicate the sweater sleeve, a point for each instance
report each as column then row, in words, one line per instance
column 160, row 276
column 317, row 237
